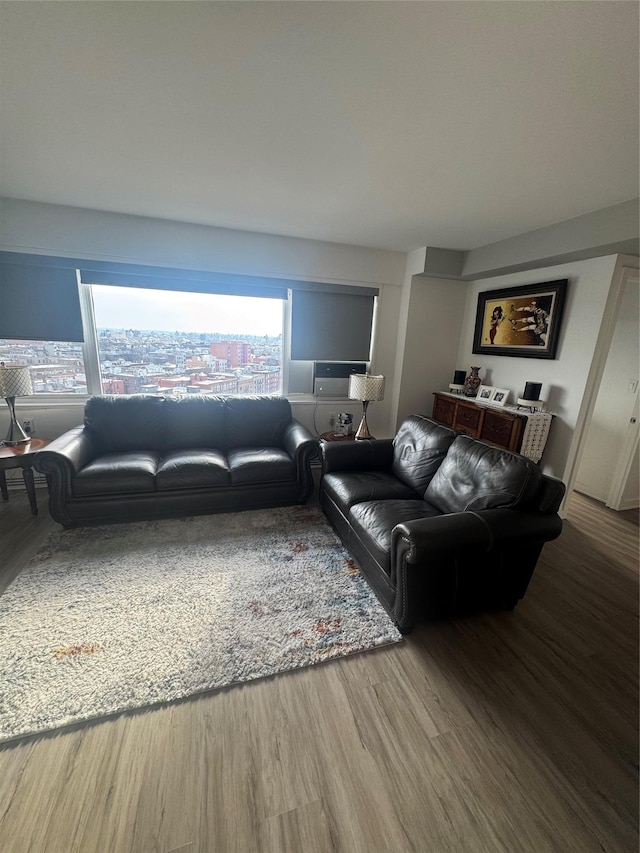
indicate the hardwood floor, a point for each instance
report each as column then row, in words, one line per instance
column 500, row 732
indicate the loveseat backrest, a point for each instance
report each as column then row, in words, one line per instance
column 419, row 447
column 126, row 422
column 476, row 476
column 256, row 421
column 197, row 420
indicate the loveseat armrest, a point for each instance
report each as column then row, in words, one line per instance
column 67, row 454
column 450, row 562
column 509, row 527
column 472, row 531
column 421, row 538
column 356, row 455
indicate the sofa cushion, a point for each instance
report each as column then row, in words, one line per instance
column 475, row 476
column 256, row 421
column 260, row 465
column 116, row 473
column 373, row 522
column 418, row 450
column 358, row 486
column 133, row 422
column 195, row 421
column 187, row 469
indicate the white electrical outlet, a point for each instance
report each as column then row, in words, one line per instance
column 27, row 426
column 332, row 419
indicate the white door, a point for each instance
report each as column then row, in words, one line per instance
column 608, row 465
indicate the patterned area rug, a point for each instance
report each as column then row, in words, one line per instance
column 112, row 618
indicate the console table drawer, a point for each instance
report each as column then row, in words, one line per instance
column 468, row 418
column 444, row 411
column 502, row 430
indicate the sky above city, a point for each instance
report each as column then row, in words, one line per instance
column 173, row 311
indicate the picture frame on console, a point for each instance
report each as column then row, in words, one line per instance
column 500, row 396
column 485, row 393
column 522, row 321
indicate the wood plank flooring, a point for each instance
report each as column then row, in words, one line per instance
column 500, row 732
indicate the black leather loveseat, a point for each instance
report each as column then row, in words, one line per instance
column 439, row 522
column 146, row 456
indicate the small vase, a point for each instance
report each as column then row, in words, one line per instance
column 472, row 383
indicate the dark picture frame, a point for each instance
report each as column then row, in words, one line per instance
column 520, row 321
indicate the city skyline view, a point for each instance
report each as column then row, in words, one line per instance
column 164, row 342
column 180, row 311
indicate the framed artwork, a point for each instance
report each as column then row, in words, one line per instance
column 520, row 321
column 485, row 392
column 500, row 396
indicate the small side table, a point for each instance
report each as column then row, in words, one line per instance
column 21, row 456
column 331, row 436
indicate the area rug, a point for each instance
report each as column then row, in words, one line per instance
column 117, row 617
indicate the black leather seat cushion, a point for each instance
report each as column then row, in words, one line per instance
column 373, row 522
column 359, row 486
column 116, row 473
column 185, row 469
column 260, row 465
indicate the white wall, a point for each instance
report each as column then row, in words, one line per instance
column 434, row 315
column 614, row 403
column 565, row 378
column 27, row 226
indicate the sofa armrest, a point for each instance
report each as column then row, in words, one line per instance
column 60, row 462
column 356, row 455
column 299, row 441
column 67, row 454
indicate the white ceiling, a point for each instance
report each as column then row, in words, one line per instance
column 385, row 124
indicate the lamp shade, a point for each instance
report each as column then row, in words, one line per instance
column 15, row 381
column 363, row 386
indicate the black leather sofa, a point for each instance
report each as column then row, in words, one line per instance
column 438, row 522
column 146, row 456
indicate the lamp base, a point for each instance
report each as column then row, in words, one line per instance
column 363, row 433
column 15, row 435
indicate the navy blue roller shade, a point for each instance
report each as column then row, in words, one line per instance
column 39, row 303
column 331, row 326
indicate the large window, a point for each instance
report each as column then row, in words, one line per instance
column 165, row 342
column 91, row 327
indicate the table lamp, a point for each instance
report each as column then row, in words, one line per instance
column 14, row 382
column 367, row 388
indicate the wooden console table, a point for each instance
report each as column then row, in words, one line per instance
column 505, row 426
